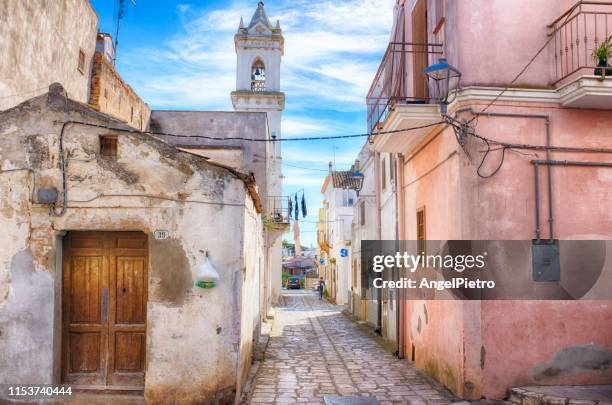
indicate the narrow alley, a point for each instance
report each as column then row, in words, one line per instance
column 315, row 352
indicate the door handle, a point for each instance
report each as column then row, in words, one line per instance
column 105, row 304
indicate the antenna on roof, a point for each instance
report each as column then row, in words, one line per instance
column 120, row 12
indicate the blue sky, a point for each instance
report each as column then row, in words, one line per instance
column 180, row 55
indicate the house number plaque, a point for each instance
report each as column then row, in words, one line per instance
column 161, row 234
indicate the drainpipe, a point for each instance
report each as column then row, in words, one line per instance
column 546, row 119
column 548, row 163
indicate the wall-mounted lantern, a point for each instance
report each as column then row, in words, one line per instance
column 358, row 177
column 446, row 80
column 206, row 275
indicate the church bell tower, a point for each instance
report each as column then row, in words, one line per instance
column 259, row 50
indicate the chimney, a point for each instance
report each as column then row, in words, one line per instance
column 104, row 45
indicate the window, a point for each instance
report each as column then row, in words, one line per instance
column 108, row 147
column 383, row 174
column 81, row 65
column 362, row 213
column 420, row 225
column 392, row 168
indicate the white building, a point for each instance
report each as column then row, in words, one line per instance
column 365, row 227
column 339, row 190
column 388, row 230
column 258, row 106
column 259, row 50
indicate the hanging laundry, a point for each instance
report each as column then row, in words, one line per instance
column 297, row 208
column 290, row 208
column 304, row 212
column 296, row 238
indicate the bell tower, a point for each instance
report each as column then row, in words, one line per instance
column 259, row 50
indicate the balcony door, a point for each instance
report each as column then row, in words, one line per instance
column 419, row 39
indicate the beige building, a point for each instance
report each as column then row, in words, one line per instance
column 109, row 93
column 104, row 233
column 73, row 53
column 43, row 45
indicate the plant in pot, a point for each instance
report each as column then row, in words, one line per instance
column 601, row 55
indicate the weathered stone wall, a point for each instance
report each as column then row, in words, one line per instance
column 111, row 95
column 40, row 45
column 254, row 266
column 194, row 342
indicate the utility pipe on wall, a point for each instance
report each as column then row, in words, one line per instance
column 548, row 163
column 546, row 119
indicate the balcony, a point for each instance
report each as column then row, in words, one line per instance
column 399, row 96
column 278, row 216
column 575, row 34
column 399, row 79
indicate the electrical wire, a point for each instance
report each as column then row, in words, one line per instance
column 468, row 130
column 520, row 73
column 240, row 138
column 306, row 168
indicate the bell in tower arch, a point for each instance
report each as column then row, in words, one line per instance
column 258, row 76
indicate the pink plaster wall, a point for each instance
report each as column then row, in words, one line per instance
column 517, row 337
column 481, row 348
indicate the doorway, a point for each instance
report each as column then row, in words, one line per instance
column 104, row 296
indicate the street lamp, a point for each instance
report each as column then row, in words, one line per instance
column 358, row 177
column 446, row 81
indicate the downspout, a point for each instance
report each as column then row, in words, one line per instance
column 548, row 163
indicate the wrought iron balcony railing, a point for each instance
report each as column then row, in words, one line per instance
column 399, row 79
column 576, row 33
column 278, row 210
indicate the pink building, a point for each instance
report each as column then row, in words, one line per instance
column 448, row 188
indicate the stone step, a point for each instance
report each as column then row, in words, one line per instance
column 561, row 395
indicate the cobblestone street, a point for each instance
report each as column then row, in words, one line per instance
column 315, row 351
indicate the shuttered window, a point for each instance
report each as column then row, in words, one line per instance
column 420, row 225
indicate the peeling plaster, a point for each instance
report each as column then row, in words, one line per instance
column 170, row 272
column 26, row 317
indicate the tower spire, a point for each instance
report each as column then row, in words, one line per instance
column 260, row 18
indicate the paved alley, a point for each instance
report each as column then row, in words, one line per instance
column 315, row 351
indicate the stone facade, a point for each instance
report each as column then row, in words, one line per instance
column 111, row 95
column 42, row 45
column 198, row 341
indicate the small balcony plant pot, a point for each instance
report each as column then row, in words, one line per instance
column 602, row 54
column 599, row 71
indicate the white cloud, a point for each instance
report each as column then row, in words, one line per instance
column 319, row 159
column 332, row 50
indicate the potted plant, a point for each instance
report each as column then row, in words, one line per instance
column 601, row 55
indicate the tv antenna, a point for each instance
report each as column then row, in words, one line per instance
column 120, row 12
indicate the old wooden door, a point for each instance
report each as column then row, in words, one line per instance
column 104, row 309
